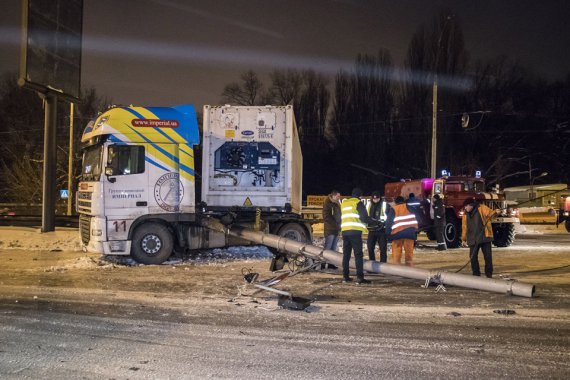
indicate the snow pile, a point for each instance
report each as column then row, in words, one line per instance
column 82, row 262
column 209, row 256
column 231, row 254
column 32, row 239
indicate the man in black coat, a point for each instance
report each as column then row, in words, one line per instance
column 439, row 221
column 331, row 219
column 377, row 210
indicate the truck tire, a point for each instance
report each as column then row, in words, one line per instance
column 152, row 243
column 567, row 225
column 503, row 234
column 294, row 231
column 452, row 232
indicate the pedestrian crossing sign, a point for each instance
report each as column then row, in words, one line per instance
column 64, row 194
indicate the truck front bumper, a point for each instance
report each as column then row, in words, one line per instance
column 98, row 242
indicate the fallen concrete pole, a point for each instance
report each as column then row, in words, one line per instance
column 510, row 287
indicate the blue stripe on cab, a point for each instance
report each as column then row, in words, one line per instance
column 151, row 161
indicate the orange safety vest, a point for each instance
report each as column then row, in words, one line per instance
column 403, row 219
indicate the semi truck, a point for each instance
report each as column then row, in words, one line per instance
column 137, row 194
column 454, row 190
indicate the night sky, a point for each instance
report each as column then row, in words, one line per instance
column 167, row 52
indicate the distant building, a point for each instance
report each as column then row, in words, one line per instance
column 542, row 195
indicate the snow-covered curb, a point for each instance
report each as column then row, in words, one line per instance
column 31, row 239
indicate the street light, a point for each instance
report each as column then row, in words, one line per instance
column 532, row 196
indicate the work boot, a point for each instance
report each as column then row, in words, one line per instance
column 362, row 281
column 346, row 279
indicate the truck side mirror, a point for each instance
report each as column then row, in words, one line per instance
column 109, row 172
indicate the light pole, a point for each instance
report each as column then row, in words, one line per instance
column 434, row 104
column 434, row 127
column 532, row 196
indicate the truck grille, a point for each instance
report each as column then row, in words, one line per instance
column 85, row 228
column 84, row 202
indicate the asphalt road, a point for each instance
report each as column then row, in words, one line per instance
column 55, row 345
column 72, row 322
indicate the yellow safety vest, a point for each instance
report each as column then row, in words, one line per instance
column 350, row 218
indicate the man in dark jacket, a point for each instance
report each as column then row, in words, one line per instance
column 477, row 232
column 377, row 210
column 354, row 221
column 439, row 221
column 331, row 219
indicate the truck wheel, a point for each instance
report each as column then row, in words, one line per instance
column 152, row 244
column 452, row 232
column 503, row 234
column 295, row 232
column 567, row 225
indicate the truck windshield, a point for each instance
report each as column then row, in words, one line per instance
column 478, row 186
column 91, row 170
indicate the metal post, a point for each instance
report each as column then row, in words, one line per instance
column 434, row 130
column 530, row 196
column 49, row 169
column 70, row 163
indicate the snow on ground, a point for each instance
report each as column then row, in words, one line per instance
column 207, row 256
column 32, row 239
column 68, row 240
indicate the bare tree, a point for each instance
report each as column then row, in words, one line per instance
column 246, row 93
column 22, row 130
column 286, row 85
column 363, row 107
column 435, row 51
column 312, row 108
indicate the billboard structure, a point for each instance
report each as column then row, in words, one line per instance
column 50, row 64
column 51, row 46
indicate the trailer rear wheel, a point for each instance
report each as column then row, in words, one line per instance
column 295, row 232
column 452, row 232
column 152, row 243
column 503, row 234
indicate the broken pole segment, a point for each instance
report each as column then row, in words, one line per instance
column 447, row 278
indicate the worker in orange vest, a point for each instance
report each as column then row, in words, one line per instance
column 401, row 229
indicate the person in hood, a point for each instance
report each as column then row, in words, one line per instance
column 477, row 233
